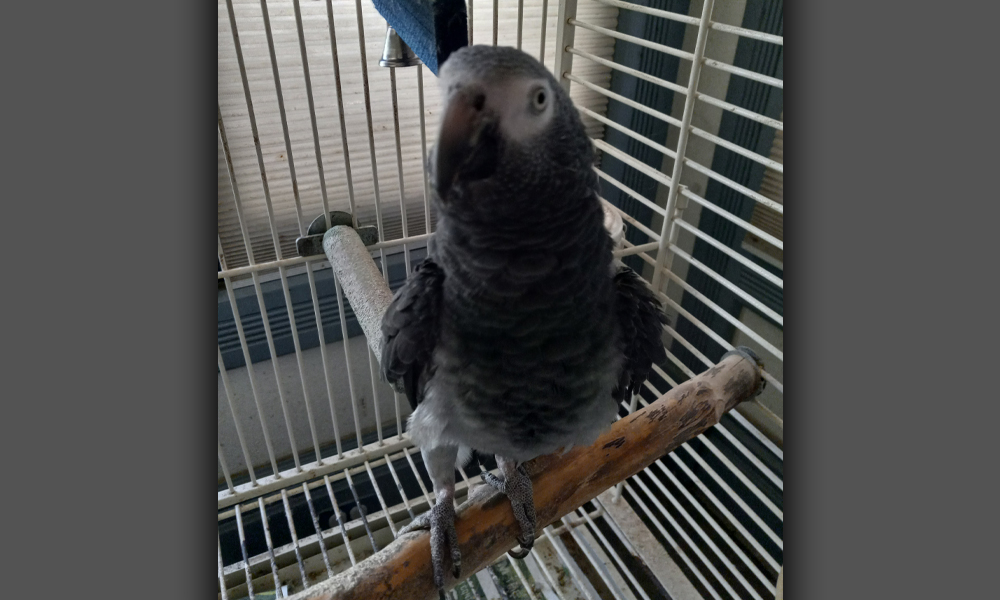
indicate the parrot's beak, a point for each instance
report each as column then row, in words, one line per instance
column 467, row 142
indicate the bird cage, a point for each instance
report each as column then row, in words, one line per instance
column 683, row 102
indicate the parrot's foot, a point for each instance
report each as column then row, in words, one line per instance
column 516, row 485
column 440, row 519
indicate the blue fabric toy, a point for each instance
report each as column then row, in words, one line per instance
column 433, row 29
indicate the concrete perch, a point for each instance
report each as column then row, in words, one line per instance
column 363, row 284
column 485, row 523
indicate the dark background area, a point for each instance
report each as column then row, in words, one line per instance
column 109, row 185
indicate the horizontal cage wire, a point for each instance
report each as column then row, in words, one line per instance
column 683, row 102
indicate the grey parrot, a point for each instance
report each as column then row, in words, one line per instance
column 519, row 334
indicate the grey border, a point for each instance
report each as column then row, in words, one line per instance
column 110, row 383
column 108, row 223
column 889, row 258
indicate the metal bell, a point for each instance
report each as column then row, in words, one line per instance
column 396, row 53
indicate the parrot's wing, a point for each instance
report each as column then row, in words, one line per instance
column 410, row 330
column 641, row 320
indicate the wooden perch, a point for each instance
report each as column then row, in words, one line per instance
column 486, row 526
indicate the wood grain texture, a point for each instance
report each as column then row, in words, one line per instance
column 485, row 524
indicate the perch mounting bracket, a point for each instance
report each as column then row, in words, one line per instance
column 311, row 244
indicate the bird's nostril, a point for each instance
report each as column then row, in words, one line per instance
column 479, row 101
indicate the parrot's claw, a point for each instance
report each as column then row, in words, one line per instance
column 441, row 521
column 517, row 487
column 521, row 552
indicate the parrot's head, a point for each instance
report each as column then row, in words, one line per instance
column 506, row 121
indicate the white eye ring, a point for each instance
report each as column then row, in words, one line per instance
column 539, row 99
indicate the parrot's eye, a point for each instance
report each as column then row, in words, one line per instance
column 539, row 100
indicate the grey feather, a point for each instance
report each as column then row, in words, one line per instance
column 512, row 338
column 410, row 329
column 640, row 317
